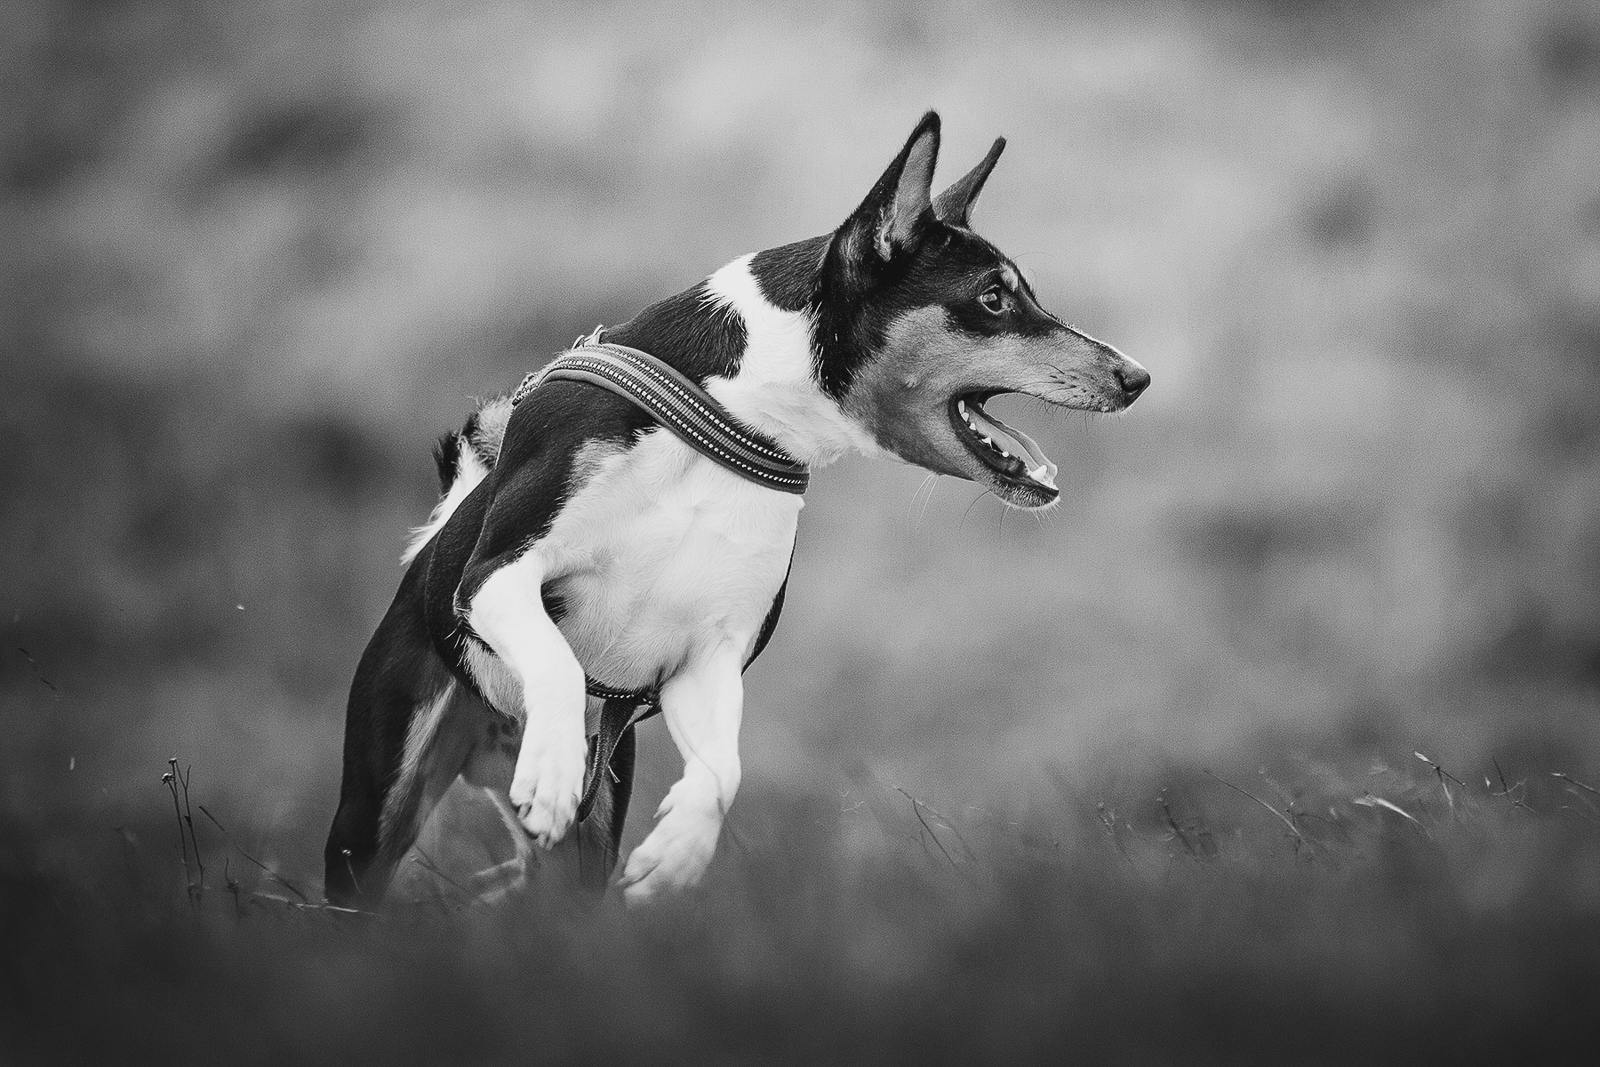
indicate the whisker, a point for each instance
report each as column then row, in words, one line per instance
column 932, row 483
column 913, row 518
column 970, row 506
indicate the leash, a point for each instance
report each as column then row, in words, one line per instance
column 702, row 423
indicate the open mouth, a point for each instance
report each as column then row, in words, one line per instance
column 1010, row 453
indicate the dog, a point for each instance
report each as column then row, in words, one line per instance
column 582, row 544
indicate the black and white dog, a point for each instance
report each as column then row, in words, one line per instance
column 577, row 537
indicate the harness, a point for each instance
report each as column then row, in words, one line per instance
column 702, row 423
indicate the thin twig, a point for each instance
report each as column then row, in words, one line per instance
column 308, row 905
column 274, row 875
column 1445, row 778
column 1572, row 790
column 423, row 860
column 1108, row 820
column 1280, row 816
column 916, row 809
column 170, row 780
column 1579, row 812
column 1581, row 785
column 1507, row 791
column 188, row 819
column 1177, row 830
column 38, row 674
column 1439, row 770
column 233, row 888
column 950, row 824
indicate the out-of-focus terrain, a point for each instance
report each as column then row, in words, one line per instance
column 256, row 256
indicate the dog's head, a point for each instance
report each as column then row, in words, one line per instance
column 920, row 321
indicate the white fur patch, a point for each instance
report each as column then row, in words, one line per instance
column 508, row 613
column 492, row 419
column 469, row 472
column 775, row 390
column 661, row 555
column 419, row 735
column 499, row 684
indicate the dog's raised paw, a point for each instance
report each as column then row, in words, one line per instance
column 545, row 824
column 546, row 800
column 672, row 859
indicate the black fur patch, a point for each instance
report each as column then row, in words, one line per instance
column 1022, row 315
column 394, row 675
column 446, row 453
column 701, row 340
column 788, row 275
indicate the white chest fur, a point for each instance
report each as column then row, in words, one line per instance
column 662, row 555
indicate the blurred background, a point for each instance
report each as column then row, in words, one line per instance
column 258, row 255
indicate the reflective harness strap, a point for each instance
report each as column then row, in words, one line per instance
column 680, row 405
column 696, row 418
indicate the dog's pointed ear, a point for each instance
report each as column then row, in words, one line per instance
column 891, row 220
column 954, row 205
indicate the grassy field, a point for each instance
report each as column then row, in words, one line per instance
column 257, row 255
column 1392, row 915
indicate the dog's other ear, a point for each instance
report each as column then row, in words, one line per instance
column 891, row 219
column 954, row 205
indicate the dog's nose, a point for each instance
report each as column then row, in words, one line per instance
column 1133, row 379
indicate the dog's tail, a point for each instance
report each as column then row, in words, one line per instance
column 464, row 458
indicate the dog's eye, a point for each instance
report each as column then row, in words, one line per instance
column 993, row 299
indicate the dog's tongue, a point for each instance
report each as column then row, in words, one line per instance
column 1019, row 444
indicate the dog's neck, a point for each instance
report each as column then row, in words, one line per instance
column 747, row 334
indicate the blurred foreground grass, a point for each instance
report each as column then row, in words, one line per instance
column 1383, row 914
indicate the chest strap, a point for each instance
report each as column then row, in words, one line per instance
column 677, row 403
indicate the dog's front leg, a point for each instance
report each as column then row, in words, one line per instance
column 510, row 617
column 703, row 706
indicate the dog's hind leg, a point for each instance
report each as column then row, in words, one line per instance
column 398, row 676
column 404, row 743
